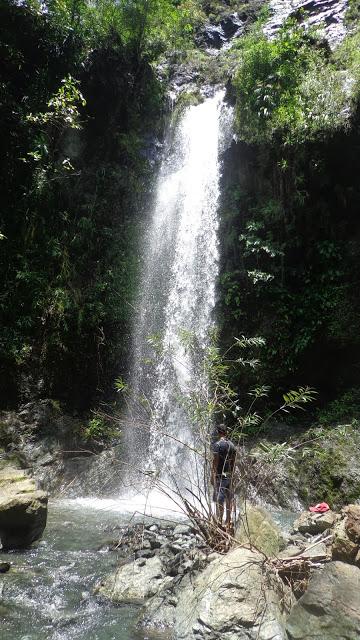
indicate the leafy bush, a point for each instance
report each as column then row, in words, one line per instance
column 99, row 430
column 287, row 87
column 346, row 407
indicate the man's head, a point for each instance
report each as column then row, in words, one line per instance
column 222, row 430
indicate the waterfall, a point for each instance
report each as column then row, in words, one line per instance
column 177, row 292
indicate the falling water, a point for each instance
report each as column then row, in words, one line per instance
column 178, row 290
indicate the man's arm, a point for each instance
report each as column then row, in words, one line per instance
column 214, row 467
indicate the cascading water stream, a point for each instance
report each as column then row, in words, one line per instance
column 177, row 295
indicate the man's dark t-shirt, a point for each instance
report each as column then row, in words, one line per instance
column 226, row 451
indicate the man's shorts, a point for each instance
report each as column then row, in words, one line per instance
column 222, row 490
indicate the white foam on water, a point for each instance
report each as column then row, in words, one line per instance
column 154, row 504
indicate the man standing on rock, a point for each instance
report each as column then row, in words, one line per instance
column 222, row 472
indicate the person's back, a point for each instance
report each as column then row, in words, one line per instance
column 226, row 452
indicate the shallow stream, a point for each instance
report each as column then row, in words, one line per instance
column 47, row 594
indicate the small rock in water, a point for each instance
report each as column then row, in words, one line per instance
column 141, row 562
column 175, row 548
column 155, row 543
column 4, row 567
column 154, row 527
column 146, row 544
column 181, row 529
column 145, row 553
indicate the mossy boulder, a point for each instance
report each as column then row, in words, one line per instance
column 23, row 509
column 329, row 469
column 259, row 530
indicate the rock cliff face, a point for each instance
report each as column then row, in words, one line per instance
column 329, row 15
column 43, row 439
column 23, row 509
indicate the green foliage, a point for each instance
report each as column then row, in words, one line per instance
column 64, row 107
column 295, row 398
column 79, row 97
column 352, row 15
column 146, row 27
column 346, row 407
column 215, row 399
column 120, row 385
column 326, row 461
column 273, row 453
column 99, row 430
column 347, row 59
column 287, row 87
column 289, row 211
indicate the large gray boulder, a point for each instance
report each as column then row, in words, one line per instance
column 23, row 509
column 134, row 581
column 330, row 608
column 234, row 598
column 315, row 523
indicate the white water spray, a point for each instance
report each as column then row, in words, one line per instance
column 177, row 292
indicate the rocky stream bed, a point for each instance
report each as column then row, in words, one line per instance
column 101, row 574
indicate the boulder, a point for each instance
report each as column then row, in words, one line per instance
column 234, row 598
column 352, row 522
column 159, row 611
column 23, row 509
column 343, row 548
column 330, row 608
column 314, row 523
column 258, row 529
column 212, row 36
column 134, row 581
column 232, row 25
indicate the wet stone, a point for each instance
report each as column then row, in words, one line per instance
column 4, row 567
column 146, row 544
column 155, row 543
column 181, row 529
column 141, row 562
column 154, row 527
column 145, row 553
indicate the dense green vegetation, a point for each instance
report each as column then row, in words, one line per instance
column 287, row 88
column 290, row 209
column 79, row 100
column 82, row 99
